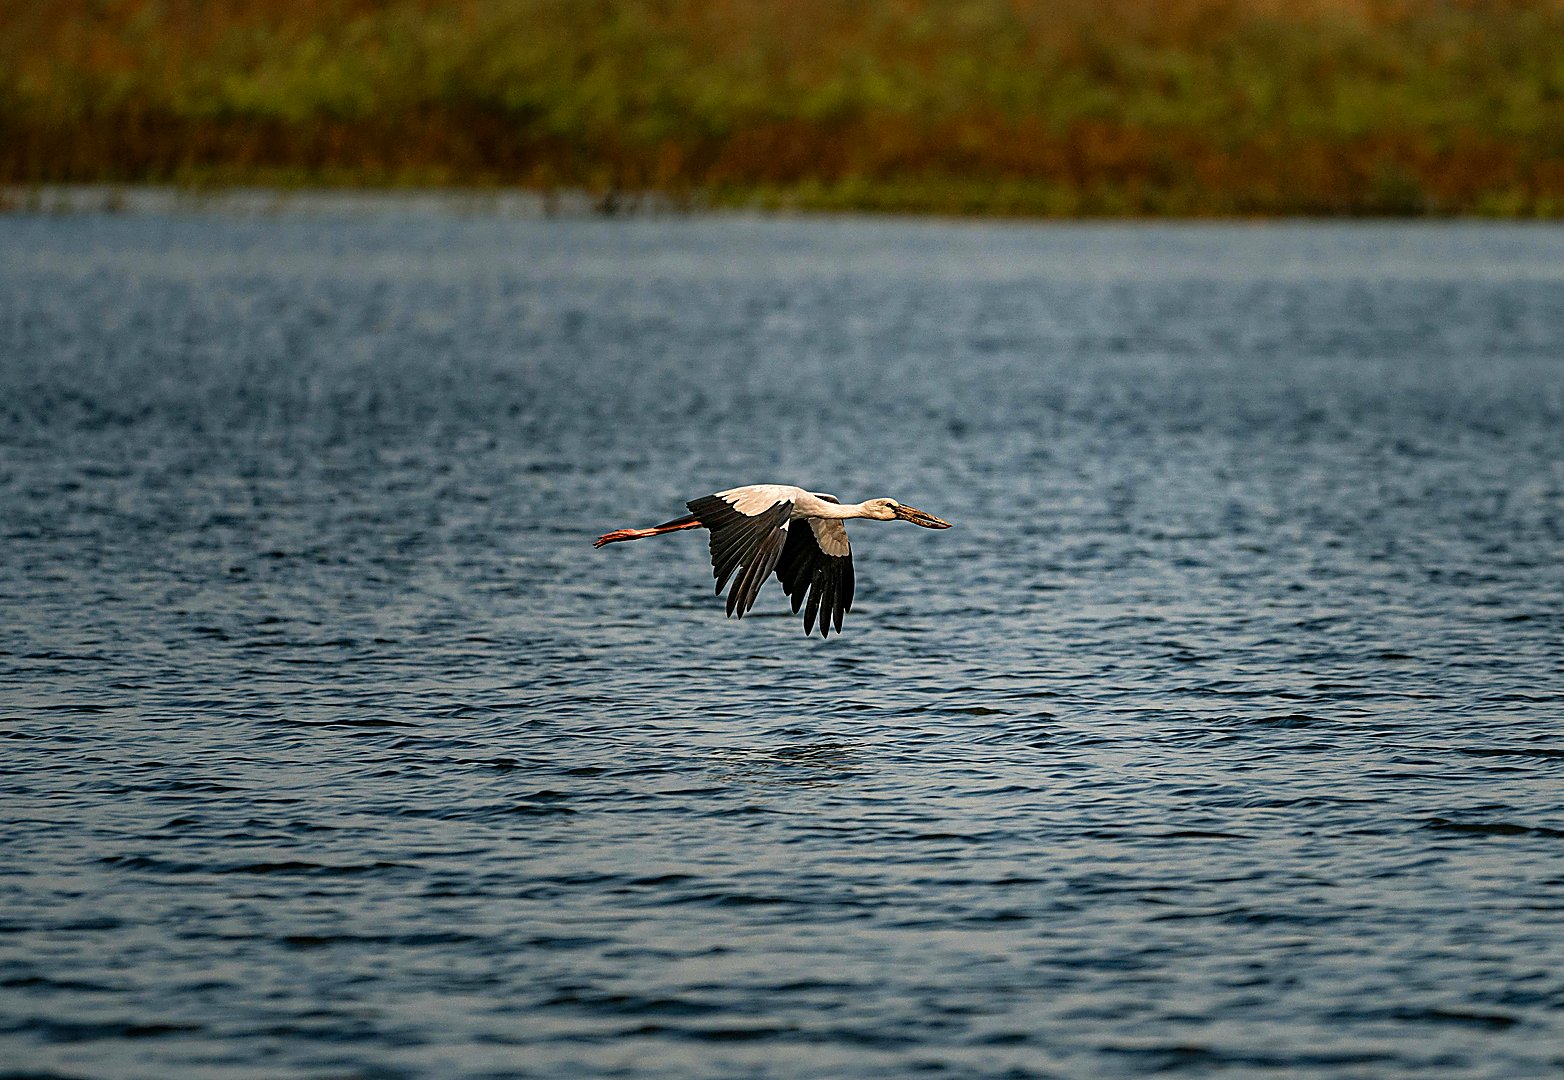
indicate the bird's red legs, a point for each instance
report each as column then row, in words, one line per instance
column 619, row 535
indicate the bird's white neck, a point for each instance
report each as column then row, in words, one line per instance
column 846, row 511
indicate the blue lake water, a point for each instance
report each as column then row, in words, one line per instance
column 1223, row 735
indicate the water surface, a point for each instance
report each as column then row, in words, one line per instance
column 1220, row 737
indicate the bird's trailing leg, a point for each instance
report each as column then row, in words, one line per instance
column 618, row 535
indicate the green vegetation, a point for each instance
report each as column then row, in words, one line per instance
column 1069, row 107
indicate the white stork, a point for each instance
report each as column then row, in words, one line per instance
column 751, row 534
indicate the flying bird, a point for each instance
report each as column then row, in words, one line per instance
column 798, row 534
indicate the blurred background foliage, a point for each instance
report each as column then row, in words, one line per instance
column 1050, row 107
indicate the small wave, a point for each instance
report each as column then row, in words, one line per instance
column 1511, row 751
column 631, row 1004
column 154, row 864
column 725, row 1033
column 354, row 722
column 418, row 940
column 1490, row 828
column 1491, row 1021
column 297, row 866
column 51, row 1029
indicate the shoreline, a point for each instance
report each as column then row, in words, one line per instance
column 261, row 200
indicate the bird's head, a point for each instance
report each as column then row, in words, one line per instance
column 891, row 510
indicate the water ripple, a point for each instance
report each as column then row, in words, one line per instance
column 1221, row 736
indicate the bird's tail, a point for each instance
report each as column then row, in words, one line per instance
column 689, row 521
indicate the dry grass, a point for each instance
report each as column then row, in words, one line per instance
column 985, row 106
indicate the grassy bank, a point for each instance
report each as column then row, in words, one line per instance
column 1190, row 107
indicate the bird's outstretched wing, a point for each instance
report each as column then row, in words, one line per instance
column 748, row 540
column 817, row 563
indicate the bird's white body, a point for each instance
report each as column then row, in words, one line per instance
column 825, row 513
column 799, row 534
column 755, row 498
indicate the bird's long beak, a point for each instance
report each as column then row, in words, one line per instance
column 918, row 517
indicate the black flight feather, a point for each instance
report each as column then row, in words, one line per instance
column 747, row 543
